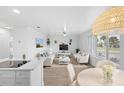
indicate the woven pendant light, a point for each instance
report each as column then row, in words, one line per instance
column 111, row 19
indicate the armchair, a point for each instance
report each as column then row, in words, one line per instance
column 48, row 57
column 83, row 59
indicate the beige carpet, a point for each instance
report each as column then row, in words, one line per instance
column 57, row 75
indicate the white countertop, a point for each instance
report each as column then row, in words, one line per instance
column 33, row 64
column 14, row 59
column 28, row 66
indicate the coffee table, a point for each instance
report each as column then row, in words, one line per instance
column 64, row 60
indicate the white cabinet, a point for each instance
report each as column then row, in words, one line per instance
column 14, row 78
column 22, row 78
column 22, row 84
column 7, row 78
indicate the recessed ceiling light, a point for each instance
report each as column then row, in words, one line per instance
column 8, row 27
column 16, row 11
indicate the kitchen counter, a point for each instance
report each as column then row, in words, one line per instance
column 28, row 66
column 29, row 74
column 7, row 59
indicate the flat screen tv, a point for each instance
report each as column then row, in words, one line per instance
column 63, row 47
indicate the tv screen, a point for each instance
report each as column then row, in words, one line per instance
column 63, row 47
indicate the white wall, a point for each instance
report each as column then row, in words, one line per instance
column 4, row 43
column 24, row 42
column 61, row 39
column 85, row 41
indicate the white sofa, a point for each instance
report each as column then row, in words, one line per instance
column 48, row 57
column 83, row 58
column 49, row 60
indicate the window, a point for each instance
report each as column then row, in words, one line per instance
column 101, row 46
column 113, row 46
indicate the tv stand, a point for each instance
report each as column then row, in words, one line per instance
column 64, row 53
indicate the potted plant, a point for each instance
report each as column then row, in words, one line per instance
column 48, row 41
column 77, row 50
column 24, row 58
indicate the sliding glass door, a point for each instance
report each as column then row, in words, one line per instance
column 108, row 46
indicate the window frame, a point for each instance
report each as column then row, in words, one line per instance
column 107, row 43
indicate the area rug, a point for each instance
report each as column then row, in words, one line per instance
column 57, row 75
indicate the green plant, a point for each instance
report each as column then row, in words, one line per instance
column 77, row 50
column 48, row 41
column 24, row 56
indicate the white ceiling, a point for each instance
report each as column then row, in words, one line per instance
column 51, row 19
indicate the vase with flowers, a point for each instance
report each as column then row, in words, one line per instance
column 108, row 72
